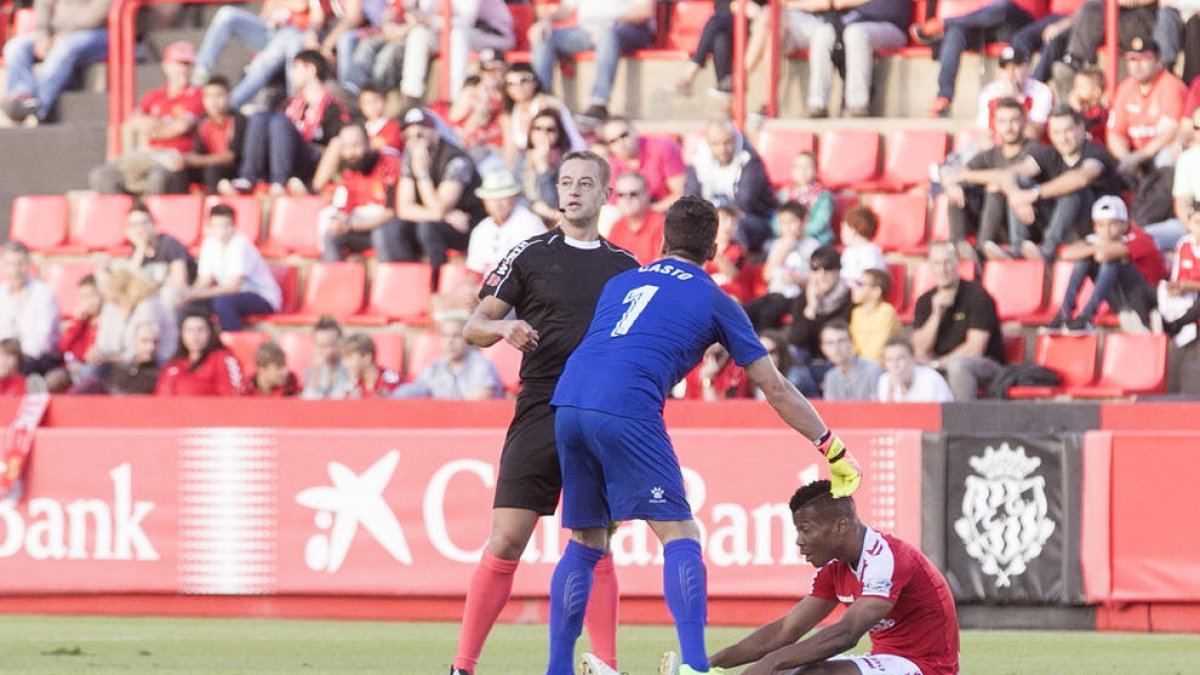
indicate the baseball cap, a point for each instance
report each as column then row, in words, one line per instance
column 1011, row 54
column 1140, row 45
column 180, row 52
column 1110, row 207
column 417, row 116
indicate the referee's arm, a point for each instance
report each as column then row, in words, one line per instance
column 791, row 405
column 487, row 326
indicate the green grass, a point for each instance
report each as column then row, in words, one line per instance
column 38, row 644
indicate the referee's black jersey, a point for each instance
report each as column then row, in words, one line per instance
column 554, row 284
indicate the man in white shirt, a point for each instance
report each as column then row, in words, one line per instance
column 508, row 223
column 233, row 275
column 1013, row 81
column 904, row 381
column 28, row 311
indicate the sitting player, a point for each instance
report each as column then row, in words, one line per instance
column 891, row 589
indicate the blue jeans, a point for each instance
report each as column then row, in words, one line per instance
column 346, row 45
column 231, row 308
column 71, row 50
column 1168, row 30
column 612, row 44
column 1069, row 214
column 434, row 238
column 973, row 30
column 1029, row 40
column 1118, row 281
column 275, row 50
column 275, row 151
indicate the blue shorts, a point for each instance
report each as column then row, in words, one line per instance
column 617, row 468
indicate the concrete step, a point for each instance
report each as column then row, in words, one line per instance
column 83, row 107
column 49, row 159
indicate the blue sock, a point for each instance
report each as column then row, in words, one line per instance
column 569, row 590
column 685, row 587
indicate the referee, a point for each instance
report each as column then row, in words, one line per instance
column 553, row 282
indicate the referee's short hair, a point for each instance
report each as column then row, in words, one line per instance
column 691, row 229
column 589, row 156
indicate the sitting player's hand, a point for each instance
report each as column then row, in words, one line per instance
column 843, row 468
column 521, row 335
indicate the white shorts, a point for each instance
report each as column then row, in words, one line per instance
column 880, row 664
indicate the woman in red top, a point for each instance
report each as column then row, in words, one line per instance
column 202, row 366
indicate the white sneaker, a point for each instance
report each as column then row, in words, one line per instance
column 669, row 664
column 592, row 665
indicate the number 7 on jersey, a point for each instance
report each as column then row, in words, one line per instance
column 637, row 299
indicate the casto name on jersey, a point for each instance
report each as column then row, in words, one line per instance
column 669, row 270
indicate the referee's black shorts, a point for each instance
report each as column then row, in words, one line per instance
column 530, row 477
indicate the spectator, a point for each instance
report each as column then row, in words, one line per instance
column 955, row 327
column 1142, row 130
column 340, row 39
column 1135, row 20
column 1122, row 261
column 326, row 377
column 873, row 320
column 129, row 302
column 201, row 366
column 859, row 253
column 1013, row 81
column 367, row 379
column 1187, row 124
column 524, row 99
column 716, row 40
column 1048, row 35
column 639, row 230
column 67, row 34
column 727, row 168
column 906, row 381
column 361, row 217
column 611, row 28
column 79, row 333
column 508, row 223
column 162, row 258
column 659, row 160
column 813, row 196
column 975, row 192
column 436, row 203
column 775, row 342
column 28, row 311
column 378, row 54
column 478, row 110
column 158, row 135
column 990, row 23
column 1185, row 189
column 786, row 270
column 232, row 276
column 825, row 298
column 383, row 133
column 1191, row 46
column 271, row 378
column 12, row 381
column 862, row 27
column 285, row 146
column 731, row 268
column 276, row 34
column 1177, row 296
column 1086, row 97
column 474, row 26
column 716, row 378
column 462, row 373
column 851, row 378
column 1066, row 178
column 537, row 166
column 140, row 375
column 220, row 137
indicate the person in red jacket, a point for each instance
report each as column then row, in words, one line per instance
column 12, row 382
column 202, row 366
column 271, row 378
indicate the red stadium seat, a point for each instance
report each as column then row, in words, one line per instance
column 901, row 220
column 63, row 278
column 453, row 276
column 334, row 288
column 842, row 202
column 922, row 280
column 687, row 22
column 298, row 346
column 178, row 216
column 389, row 350
column 39, row 222
column 524, row 16
column 288, row 278
column 507, row 360
column 293, row 226
column 908, row 154
column 247, row 213
column 778, row 149
column 896, row 295
column 100, row 221
column 243, row 345
column 1060, row 277
column 940, row 229
column 971, row 139
column 426, row 348
column 1131, row 363
column 1073, row 357
column 847, row 157
column 399, row 292
column 24, row 22
column 1018, row 287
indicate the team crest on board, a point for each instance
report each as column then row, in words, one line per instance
column 1004, row 524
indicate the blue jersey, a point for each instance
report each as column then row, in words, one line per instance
column 651, row 326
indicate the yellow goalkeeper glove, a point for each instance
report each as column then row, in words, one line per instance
column 843, row 468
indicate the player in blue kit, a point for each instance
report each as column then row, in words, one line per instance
column 651, row 326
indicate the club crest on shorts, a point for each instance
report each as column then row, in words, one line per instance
column 1004, row 523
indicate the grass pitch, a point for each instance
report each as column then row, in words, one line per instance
column 40, row 644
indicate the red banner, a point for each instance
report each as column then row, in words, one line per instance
column 388, row 512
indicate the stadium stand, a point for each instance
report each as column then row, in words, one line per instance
column 1018, row 287
column 1131, row 363
column 40, row 222
column 179, row 216
column 1072, row 357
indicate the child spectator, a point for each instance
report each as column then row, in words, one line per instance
column 140, row 374
column 367, row 379
column 201, row 366
column 326, row 377
column 79, row 333
column 851, row 378
column 730, row 268
column 271, row 378
column 639, row 230
column 12, row 382
column 362, row 216
column 858, row 228
column 1086, row 97
column 462, row 373
column 233, row 276
column 786, row 269
column 904, row 381
column 1177, row 296
column 28, row 311
column 873, row 321
column 809, row 191
column 826, row 297
column 220, row 137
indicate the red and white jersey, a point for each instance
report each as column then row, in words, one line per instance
column 217, row 375
column 1187, row 260
column 1036, row 97
column 923, row 625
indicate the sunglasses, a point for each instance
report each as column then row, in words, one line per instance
column 550, row 129
column 517, row 81
column 619, row 137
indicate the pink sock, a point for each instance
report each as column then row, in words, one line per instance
column 601, row 617
column 490, row 587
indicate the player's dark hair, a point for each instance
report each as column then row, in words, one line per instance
column 1012, row 104
column 327, row 322
column 816, row 495
column 269, row 354
column 691, row 229
column 881, row 278
column 862, row 220
column 795, row 208
column 315, row 59
column 359, row 343
column 589, row 156
column 1064, row 110
column 214, row 338
column 219, row 210
column 218, row 81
